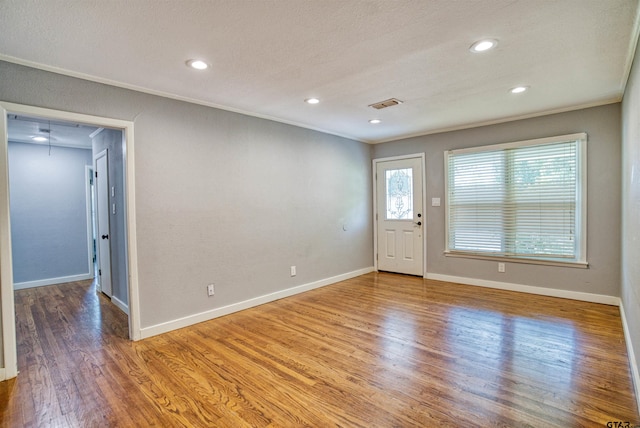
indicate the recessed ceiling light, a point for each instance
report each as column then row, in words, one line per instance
column 312, row 101
column 198, row 64
column 483, row 45
column 39, row 139
column 374, row 121
column 518, row 89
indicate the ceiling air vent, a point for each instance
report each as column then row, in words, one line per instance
column 386, row 103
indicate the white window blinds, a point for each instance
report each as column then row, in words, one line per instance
column 520, row 200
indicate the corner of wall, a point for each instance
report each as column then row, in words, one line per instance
column 635, row 373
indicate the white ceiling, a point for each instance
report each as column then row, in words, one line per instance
column 267, row 56
column 23, row 129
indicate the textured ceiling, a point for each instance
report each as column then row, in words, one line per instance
column 267, row 56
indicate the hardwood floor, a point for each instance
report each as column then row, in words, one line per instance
column 380, row 350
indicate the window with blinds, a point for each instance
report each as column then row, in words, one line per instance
column 520, row 200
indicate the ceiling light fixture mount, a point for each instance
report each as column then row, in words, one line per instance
column 519, row 89
column 312, row 101
column 197, row 64
column 483, row 45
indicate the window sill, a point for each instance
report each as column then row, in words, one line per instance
column 572, row 264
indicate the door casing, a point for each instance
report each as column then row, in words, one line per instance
column 9, row 345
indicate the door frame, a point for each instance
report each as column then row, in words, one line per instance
column 9, row 345
column 374, row 170
column 88, row 180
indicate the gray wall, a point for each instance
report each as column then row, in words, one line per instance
column 111, row 140
column 48, row 212
column 602, row 124
column 222, row 197
column 631, row 207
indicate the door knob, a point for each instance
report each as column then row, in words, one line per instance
column 419, row 223
column 105, row 236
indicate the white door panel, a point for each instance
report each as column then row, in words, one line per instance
column 102, row 210
column 390, row 244
column 399, row 214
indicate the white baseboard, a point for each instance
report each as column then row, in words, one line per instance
column 246, row 304
column 635, row 374
column 51, row 281
column 552, row 292
column 120, row 304
column 3, row 374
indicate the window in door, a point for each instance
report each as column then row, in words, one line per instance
column 399, row 194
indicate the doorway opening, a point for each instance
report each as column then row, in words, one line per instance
column 75, row 246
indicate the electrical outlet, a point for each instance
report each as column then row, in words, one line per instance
column 501, row 268
column 210, row 290
column 293, row 271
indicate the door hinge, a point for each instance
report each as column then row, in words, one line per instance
column 96, row 174
column 100, row 272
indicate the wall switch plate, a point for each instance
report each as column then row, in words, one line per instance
column 435, row 202
column 210, row 290
column 501, row 268
column 293, row 271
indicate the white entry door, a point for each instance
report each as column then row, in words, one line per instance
column 400, row 218
column 102, row 210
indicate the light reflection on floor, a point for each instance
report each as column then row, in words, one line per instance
column 483, row 346
column 535, row 351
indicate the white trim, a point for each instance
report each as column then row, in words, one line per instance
column 120, row 304
column 169, row 95
column 6, row 271
column 631, row 53
column 51, row 281
column 88, row 171
column 478, row 124
column 95, row 133
column 374, row 171
column 582, row 213
column 635, row 373
column 2, row 374
column 580, row 136
column 9, row 345
column 256, row 301
column 131, row 234
column 511, row 259
column 600, row 103
column 542, row 291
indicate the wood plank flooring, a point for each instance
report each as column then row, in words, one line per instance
column 380, row 350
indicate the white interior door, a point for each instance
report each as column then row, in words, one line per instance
column 399, row 216
column 102, row 210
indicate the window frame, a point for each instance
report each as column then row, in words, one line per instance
column 580, row 259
